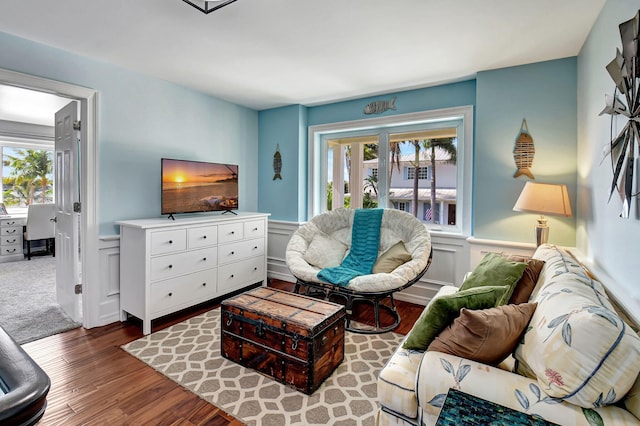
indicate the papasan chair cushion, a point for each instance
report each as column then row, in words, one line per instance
column 330, row 234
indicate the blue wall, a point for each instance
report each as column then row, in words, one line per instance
column 288, row 127
column 612, row 242
column 285, row 127
column 142, row 119
column 544, row 93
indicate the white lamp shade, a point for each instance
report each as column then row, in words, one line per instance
column 545, row 199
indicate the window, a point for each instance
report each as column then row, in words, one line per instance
column 423, row 173
column 27, row 175
column 375, row 162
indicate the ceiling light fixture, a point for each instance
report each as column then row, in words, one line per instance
column 208, row 6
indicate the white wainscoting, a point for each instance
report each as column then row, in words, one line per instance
column 478, row 248
column 109, row 292
column 450, row 262
column 453, row 256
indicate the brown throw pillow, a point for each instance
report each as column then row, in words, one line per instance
column 395, row 256
column 487, row 335
column 528, row 280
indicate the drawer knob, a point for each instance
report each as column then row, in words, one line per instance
column 255, row 229
column 170, row 266
column 12, row 241
column 255, row 247
column 204, row 284
column 170, row 294
column 233, row 252
column 170, row 241
column 204, row 259
column 233, row 232
column 231, row 276
column 205, row 237
column 255, row 268
column 11, row 231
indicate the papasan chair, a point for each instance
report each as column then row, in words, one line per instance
column 404, row 255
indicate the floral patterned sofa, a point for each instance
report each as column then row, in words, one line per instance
column 576, row 364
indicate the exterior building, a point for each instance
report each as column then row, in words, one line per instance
column 402, row 185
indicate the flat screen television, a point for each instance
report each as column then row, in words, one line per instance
column 197, row 186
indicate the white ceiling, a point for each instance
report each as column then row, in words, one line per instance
column 270, row 53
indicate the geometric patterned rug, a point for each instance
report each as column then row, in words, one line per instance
column 189, row 354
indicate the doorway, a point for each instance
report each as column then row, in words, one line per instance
column 87, row 99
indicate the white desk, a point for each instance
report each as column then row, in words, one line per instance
column 11, row 237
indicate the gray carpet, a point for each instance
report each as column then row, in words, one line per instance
column 28, row 308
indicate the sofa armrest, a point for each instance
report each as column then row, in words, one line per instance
column 439, row 372
column 23, row 384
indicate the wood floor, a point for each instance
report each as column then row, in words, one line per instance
column 94, row 382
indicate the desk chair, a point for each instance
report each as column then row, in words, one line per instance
column 40, row 226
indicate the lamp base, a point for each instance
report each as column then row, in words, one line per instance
column 542, row 231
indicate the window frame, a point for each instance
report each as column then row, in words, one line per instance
column 318, row 135
column 23, row 143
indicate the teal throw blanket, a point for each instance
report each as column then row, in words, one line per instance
column 365, row 238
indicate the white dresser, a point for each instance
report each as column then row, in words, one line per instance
column 168, row 265
column 11, row 234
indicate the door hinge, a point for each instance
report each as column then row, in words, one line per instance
column 78, row 289
column 77, row 207
column 76, row 125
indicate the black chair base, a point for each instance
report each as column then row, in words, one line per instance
column 349, row 298
column 50, row 248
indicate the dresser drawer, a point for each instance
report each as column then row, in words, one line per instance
column 240, row 250
column 11, row 249
column 202, row 236
column 12, row 222
column 238, row 274
column 175, row 293
column 230, row 232
column 11, row 230
column 172, row 265
column 254, row 229
column 6, row 240
column 170, row 241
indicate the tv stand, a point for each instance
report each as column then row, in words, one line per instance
column 166, row 266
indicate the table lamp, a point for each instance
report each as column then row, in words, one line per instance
column 545, row 199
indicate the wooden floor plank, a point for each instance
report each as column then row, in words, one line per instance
column 95, row 382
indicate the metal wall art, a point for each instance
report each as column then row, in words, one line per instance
column 523, row 152
column 277, row 163
column 378, row 107
column 624, row 69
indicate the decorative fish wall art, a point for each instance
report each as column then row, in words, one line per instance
column 277, row 164
column 378, row 107
column 523, row 152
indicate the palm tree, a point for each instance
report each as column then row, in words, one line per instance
column 448, row 145
column 32, row 166
column 416, row 164
column 395, row 151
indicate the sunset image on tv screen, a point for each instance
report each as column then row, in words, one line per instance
column 194, row 186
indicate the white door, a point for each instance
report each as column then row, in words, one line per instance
column 66, row 194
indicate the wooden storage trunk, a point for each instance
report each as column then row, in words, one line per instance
column 296, row 340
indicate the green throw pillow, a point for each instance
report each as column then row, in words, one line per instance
column 444, row 309
column 494, row 269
